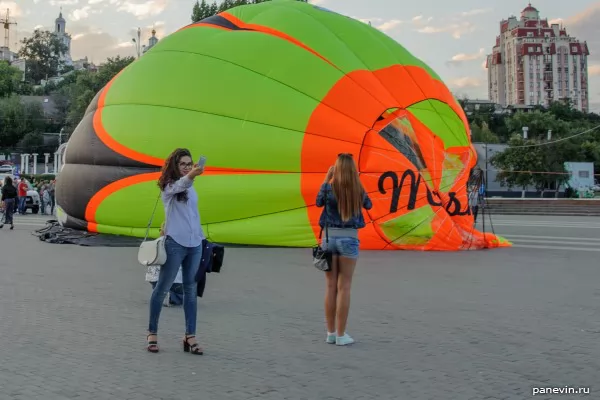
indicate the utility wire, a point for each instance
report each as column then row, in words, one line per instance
column 556, row 141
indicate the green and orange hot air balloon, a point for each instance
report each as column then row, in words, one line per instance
column 271, row 93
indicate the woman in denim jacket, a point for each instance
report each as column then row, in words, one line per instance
column 343, row 197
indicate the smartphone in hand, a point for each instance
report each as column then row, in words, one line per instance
column 202, row 161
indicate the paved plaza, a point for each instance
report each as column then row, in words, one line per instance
column 472, row 325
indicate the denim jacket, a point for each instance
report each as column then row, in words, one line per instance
column 333, row 217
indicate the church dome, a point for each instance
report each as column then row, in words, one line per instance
column 530, row 12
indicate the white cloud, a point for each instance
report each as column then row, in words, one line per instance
column 456, row 30
column 15, row 9
column 594, row 70
column 145, row 9
column 122, row 45
column 389, row 25
column 463, row 57
column 63, row 2
column 367, row 21
column 476, row 11
column 465, row 82
column 83, row 13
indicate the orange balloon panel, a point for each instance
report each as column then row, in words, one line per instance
column 416, row 184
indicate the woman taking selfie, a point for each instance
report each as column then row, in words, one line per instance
column 183, row 245
column 343, row 197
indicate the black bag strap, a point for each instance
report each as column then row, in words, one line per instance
column 326, row 221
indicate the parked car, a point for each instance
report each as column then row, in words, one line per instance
column 32, row 202
column 6, row 169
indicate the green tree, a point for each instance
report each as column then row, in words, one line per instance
column 83, row 87
column 32, row 142
column 110, row 69
column 515, row 163
column 481, row 133
column 539, row 123
column 42, row 53
column 202, row 10
column 10, row 79
column 553, row 164
column 478, row 114
column 17, row 119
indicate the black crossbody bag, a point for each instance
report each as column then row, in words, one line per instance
column 322, row 258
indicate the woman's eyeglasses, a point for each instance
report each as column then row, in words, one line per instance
column 186, row 165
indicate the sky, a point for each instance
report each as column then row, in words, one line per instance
column 452, row 37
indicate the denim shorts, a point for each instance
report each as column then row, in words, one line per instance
column 344, row 246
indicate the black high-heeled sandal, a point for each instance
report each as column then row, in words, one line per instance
column 192, row 348
column 152, row 344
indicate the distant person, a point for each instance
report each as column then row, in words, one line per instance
column 9, row 197
column 474, row 202
column 343, row 197
column 51, row 191
column 22, row 192
column 183, row 244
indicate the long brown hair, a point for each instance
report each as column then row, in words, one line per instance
column 347, row 187
column 170, row 171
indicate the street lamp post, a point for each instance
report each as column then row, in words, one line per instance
column 138, row 42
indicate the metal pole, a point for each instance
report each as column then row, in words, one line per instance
column 484, row 204
column 486, row 171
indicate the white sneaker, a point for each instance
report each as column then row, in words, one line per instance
column 330, row 338
column 344, row 340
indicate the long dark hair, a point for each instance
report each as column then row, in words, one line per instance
column 170, row 172
column 8, row 181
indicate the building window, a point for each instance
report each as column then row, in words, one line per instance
column 584, row 174
column 574, row 49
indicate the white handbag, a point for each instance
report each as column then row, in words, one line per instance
column 153, row 252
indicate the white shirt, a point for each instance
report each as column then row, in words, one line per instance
column 183, row 218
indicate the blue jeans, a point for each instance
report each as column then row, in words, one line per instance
column 22, row 203
column 189, row 260
column 175, row 293
column 8, row 211
column 344, row 246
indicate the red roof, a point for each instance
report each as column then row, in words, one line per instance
column 529, row 8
